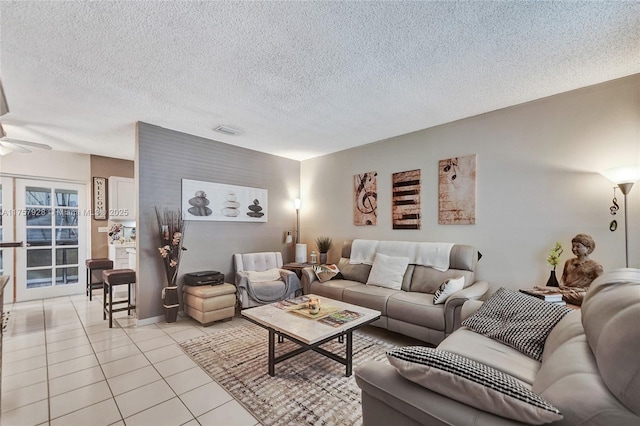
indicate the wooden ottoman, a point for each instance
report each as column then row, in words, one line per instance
column 209, row 303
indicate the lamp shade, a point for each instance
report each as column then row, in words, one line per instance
column 297, row 203
column 622, row 174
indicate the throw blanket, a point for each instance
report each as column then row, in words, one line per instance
column 434, row 255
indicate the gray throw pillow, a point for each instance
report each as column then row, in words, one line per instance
column 518, row 320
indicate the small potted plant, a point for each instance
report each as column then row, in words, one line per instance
column 553, row 260
column 324, row 244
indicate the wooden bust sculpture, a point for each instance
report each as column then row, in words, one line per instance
column 580, row 271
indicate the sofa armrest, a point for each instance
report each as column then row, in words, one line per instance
column 389, row 398
column 453, row 304
column 469, row 308
column 308, row 276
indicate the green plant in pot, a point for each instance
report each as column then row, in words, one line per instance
column 324, row 244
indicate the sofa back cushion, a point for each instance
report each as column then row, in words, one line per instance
column 351, row 272
column 463, row 260
column 610, row 317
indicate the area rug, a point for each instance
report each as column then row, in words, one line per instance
column 307, row 389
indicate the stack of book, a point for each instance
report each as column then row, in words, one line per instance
column 548, row 294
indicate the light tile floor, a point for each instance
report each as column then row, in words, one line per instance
column 62, row 365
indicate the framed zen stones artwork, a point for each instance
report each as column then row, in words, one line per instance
column 405, row 212
column 365, row 202
column 221, row 202
column 457, row 190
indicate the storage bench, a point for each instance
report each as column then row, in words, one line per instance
column 209, row 303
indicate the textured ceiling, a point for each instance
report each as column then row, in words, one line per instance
column 299, row 79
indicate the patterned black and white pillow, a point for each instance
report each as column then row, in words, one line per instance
column 472, row 383
column 518, row 320
column 447, row 288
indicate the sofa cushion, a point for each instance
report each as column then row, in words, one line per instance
column 477, row 347
column 428, row 280
column 332, row 289
column 447, row 288
column 416, row 308
column 570, row 380
column 610, row 316
column 518, row 320
column 387, row 271
column 351, row 272
column 472, row 383
column 369, row 296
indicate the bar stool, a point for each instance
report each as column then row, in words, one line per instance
column 97, row 265
column 112, row 278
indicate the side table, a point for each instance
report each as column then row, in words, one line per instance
column 296, row 267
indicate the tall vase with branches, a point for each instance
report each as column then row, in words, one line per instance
column 171, row 228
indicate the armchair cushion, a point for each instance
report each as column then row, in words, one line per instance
column 262, row 276
column 472, row 383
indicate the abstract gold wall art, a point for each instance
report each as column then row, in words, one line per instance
column 365, row 203
column 457, row 191
column 406, row 200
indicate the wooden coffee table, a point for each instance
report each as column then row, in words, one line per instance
column 307, row 332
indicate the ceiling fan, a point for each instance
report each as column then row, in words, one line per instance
column 8, row 145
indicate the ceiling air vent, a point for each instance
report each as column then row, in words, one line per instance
column 227, row 130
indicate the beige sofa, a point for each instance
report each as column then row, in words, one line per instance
column 410, row 310
column 590, row 368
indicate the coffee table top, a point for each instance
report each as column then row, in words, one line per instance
column 305, row 329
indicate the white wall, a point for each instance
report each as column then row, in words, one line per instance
column 537, row 182
column 48, row 164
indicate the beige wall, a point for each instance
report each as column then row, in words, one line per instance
column 105, row 167
column 537, row 182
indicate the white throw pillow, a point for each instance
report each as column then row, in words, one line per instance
column 388, row 271
column 447, row 288
column 264, row 276
column 472, row 383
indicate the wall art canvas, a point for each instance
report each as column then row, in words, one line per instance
column 406, row 200
column 457, row 191
column 365, row 203
column 221, row 202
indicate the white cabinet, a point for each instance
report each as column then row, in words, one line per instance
column 118, row 254
column 122, row 200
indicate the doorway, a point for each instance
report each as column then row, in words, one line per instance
column 46, row 216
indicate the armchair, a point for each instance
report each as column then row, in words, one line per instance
column 260, row 279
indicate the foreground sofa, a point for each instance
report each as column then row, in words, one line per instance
column 589, row 369
column 409, row 310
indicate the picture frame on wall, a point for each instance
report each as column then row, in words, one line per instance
column 457, row 190
column 100, row 198
column 405, row 200
column 210, row 201
column 365, row 199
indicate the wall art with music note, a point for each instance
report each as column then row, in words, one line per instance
column 365, row 203
column 406, row 200
column 457, row 191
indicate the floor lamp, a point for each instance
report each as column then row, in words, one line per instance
column 301, row 249
column 624, row 177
